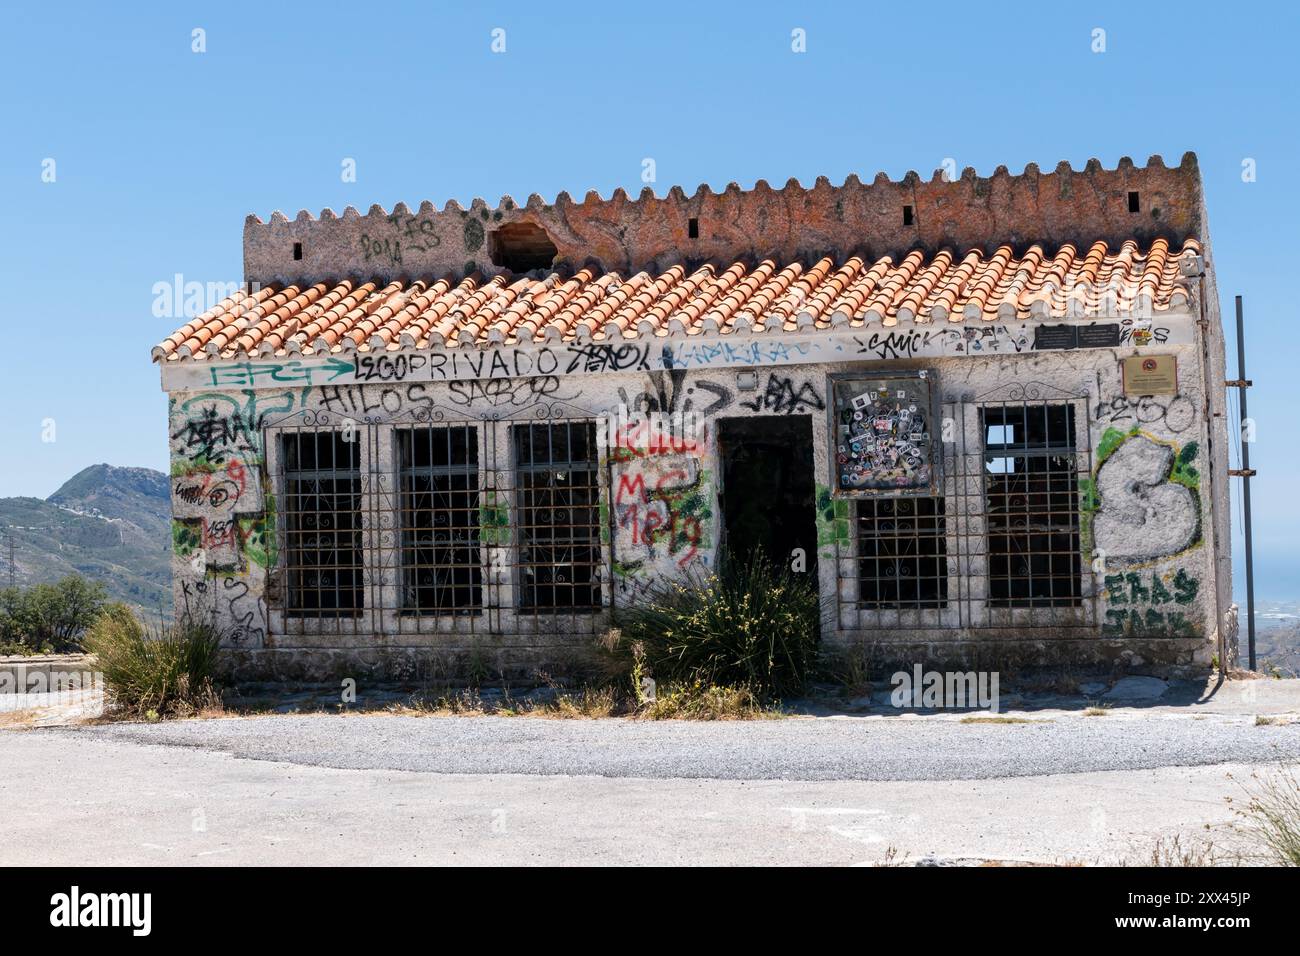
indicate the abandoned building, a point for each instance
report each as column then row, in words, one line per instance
column 987, row 414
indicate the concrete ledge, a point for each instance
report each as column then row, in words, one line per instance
column 409, row 663
column 20, row 669
column 1166, row 657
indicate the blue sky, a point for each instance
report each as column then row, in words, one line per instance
column 161, row 152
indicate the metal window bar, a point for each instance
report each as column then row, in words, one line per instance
column 427, row 537
column 902, row 552
column 438, row 481
column 1032, row 504
column 997, row 549
column 322, row 534
column 559, row 498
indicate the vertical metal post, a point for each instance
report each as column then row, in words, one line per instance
column 1242, row 384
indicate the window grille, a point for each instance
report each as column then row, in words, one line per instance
column 559, row 516
column 322, row 507
column 902, row 552
column 429, row 528
column 438, row 474
column 999, row 548
column 1033, row 505
column 428, row 523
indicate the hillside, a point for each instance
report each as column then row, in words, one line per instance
column 106, row 523
column 1277, row 637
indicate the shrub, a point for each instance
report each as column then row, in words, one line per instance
column 168, row 671
column 50, row 617
column 748, row 626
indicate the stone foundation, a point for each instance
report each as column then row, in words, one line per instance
column 1166, row 657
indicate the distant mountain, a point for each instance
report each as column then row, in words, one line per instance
column 106, row 523
column 140, row 496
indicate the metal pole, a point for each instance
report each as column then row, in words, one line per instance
column 1242, row 384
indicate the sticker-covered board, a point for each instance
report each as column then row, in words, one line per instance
column 884, row 434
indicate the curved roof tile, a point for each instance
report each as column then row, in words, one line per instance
column 738, row 298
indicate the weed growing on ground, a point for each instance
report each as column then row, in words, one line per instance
column 1270, row 819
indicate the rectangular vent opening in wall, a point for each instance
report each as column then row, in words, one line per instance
column 693, row 228
column 908, row 217
column 521, row 247
column 297, row 251
column 1134, row 203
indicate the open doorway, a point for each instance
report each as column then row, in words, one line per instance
column 768, row 488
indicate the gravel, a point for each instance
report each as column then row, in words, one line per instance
column 898, row 748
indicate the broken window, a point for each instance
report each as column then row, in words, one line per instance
column 1032, row 505
column 439, row 478
column 559, row 516
column 902, row 550
column 322, row 514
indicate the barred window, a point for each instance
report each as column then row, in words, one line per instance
column 322, row 515
column 1032, row 504
column 559, row 516
column 438, row 475
column 902, row 548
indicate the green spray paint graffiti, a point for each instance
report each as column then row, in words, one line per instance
column 222, row 513
column 185, row 537
column 493, row 520
column 267, row 374
column 832, row 523
column 1149, row 603
column 257, row 535
column 1142, row 501
column 218, row 477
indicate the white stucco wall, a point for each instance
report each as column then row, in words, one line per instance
column 1150, row 523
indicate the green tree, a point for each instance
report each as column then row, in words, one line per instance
column 50, row 616
column 15, row 618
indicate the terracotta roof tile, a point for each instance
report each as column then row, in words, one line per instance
column 731, row 299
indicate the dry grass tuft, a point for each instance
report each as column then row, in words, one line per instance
column 1274, row 720
column 694, row 701
column 1173, row 852
column 1271, row 817
column 697, row 701
column 19, row 719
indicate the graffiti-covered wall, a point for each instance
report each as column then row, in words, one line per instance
column 1143, row 494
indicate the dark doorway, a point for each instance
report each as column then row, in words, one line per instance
column 768, row 488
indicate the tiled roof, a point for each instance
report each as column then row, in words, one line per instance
column 738, row 299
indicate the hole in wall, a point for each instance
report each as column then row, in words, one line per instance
column 693, row 228
column 1134, row 202
column 297, row 251
column 521, row 247
column 908, row 217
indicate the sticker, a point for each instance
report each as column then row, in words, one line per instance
column 884, row 432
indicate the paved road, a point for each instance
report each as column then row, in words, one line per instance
column 329, row 790
column 68, row 798
column 851, row 748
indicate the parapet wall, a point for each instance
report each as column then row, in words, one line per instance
column 626, row 235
